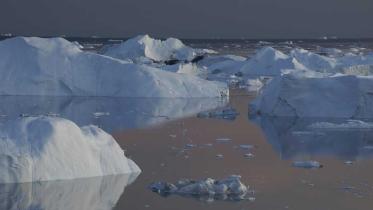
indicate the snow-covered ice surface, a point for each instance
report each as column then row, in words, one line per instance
column 100, row 193
column 50, row 148
column 144, row 48
column 230, row 189
column 56, row 67
column 337, row 96
column 110, row 114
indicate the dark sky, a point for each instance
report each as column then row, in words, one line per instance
column 189, row 18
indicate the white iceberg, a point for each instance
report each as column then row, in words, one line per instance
column 143, row 48
column 46, row 148
column 269, row 62
column 56, row 67
column 337, row 96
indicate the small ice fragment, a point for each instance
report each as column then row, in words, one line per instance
column 349, row 162
column 252, row 199
column 219, row 156
column 249, row 155
column 307, row 164
column 190, row 146
column 225, row 114
column 172, row 135
column 223, row 140
column 50, row 114
column 100, row 114
column 208, row 145
column 246, row 146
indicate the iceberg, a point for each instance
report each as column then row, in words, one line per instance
column 143, row 48
column 342, row 96
column 56, row 67
column 50, row 148
column 269, row 62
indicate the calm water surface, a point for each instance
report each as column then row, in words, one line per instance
column 276, row 183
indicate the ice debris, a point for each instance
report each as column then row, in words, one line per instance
column 307, row 164
column 230, row 188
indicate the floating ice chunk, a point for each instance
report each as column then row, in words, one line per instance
column 307, row 164
column 100, row 114
column 46, row 148
column 249, row 155
column 230, row 188
column 246, row 146
column 350, row 124
column 223, row 140
column 227, row 113
column 219, row 156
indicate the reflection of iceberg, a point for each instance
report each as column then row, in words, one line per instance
column 81, row 194
column 120, row 113
column 296, row 137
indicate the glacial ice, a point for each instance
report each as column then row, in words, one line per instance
column 50, row 148
column 144, row 48
column 342, row 96
column 230, row 188
column 56, row 67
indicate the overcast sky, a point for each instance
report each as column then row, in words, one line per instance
column 189, row 18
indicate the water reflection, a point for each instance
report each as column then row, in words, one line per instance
column 294, row 137
column 111, row 114
column 100, row 193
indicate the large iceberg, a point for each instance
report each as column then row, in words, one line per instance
column 36, row 66
column 341, row 96
column 47, row 148
column 143, row 48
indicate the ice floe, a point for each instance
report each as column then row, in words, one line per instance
column 49, row 148
column 307, row 164
column 56, row 67
column 230, row 188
